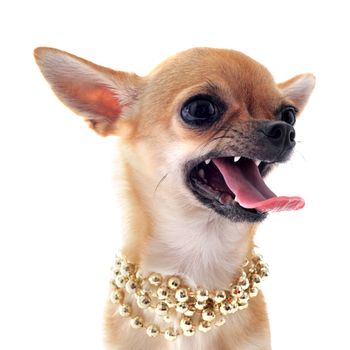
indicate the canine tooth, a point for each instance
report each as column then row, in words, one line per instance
column 257, row 162
column 236, row 159
column 207, row 161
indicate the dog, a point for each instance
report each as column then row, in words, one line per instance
column 197, row 137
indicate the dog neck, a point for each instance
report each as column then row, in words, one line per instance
column 207, row 252
column 204, row 248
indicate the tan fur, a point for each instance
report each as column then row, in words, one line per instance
column 161, row 217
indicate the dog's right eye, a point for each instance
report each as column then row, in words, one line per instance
column 200, row 111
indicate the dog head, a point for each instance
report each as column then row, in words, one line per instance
column 202, row 129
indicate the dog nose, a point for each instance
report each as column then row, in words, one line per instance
column 280, row 134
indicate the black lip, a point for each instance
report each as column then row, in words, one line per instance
column 233, row 211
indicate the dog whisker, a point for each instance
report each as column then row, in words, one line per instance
column 160, row 181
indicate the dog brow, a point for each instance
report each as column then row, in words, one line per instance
column 211, row 85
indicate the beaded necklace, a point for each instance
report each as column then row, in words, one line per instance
column 192, row 309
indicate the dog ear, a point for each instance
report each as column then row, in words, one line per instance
column 298, row 89
column 95, row 92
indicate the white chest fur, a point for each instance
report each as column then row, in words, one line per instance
column 206, row 252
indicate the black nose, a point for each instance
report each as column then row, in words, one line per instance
column 280, row 134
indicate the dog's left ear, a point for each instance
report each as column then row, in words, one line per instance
column 99, row 94
column 298, row 89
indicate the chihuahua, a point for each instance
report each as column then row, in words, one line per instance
column 197, row 137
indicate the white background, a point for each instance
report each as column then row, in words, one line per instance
column 59, row 221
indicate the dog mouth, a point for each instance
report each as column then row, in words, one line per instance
column 234, row 187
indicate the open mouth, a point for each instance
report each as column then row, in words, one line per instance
column 234, row 187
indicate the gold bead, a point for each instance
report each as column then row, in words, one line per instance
column 245, row 284
column 237, row 291
column 199, row 305
column 144, row 301
column 125, row 310
column 186, row 323
column 120, row 281
column 171, row 301
column 139, row 275
column 244, row 281
column 243, row 298
column 162, row 293
column 242, row 305
column 256, row 280
column 117, row 264
column 234, row 304
column 189, row 332
column 220, row 296
column 118, row 257
column 257, row 258
column 253, row 292
column 174, row 282
column 259, row 263
column 181, row 307
column 264, row 271
column 220, row 321
column 117, row 296
column 191, row 310
column 131, row 286
column 145, row 287
column 115, row 272
column 245, row 262
column 126, row 269
column 170, row 334
column 181, row 295
column 204, row 326
column 202, row 294
column 112, row 283
column 162, row 309
column 227, row 308
column 152, row 330
column 155, row 279
column 208, row 314
column 136, row 322
column 243, row 276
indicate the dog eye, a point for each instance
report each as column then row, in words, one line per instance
column 288, row 115
column 200, row 111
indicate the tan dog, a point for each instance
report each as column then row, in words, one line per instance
column 197, row 135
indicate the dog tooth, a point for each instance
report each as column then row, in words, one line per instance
column 218, row 197
column 236, row 159
column 257, row 162
column 207, row 161
column 225, row 198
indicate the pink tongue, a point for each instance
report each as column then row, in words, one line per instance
column 245, row 181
